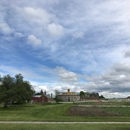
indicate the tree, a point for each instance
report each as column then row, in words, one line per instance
column 56, row 92
column 6, row 89
column 45, row 92
column 51, row 95
column 38, row 93
column 82, row 94
column 57, row 99
column 101, row 97
column 14, row 89
column 41, row 93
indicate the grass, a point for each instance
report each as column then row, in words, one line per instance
column 107, row 103
column 64, row 127
column 56, row 112
column 119, row 110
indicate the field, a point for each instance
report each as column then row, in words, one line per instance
column 85, row 112
column 61, row 112
column 101, row 109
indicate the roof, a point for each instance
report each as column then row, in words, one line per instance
column 38, row 96
column 67, row 95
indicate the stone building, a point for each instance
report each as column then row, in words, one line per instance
column 90, row 96
column 68, row 96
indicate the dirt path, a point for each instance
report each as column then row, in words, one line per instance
column 35, row 122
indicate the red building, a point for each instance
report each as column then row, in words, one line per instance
column 41, row 98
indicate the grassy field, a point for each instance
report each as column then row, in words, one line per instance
column 64, row 127
column 110, row 103
column 124, row 111
column 56, row 112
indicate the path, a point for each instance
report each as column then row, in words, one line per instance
column 35, row 122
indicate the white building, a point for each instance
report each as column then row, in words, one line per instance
column 69, row 96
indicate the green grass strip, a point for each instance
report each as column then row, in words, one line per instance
column 64, row 127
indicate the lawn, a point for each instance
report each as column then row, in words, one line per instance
column 56, row 112
column 64, row 127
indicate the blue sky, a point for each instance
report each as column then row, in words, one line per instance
column 60, row 44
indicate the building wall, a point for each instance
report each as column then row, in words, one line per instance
column 89, row 98
column 41, row 99
column 69, row 97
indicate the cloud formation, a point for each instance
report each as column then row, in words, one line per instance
column 5, row 29
column 32, row 40
column 38, row 15
column 127, row 54
column 116, row 79
column 65, row 75
column 55, row 29
column 84, row 45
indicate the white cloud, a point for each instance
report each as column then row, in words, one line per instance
column 115, row 80
column 66, row 76
column 37, row 15
column 55, row 29
column 122, row 68
column 78, row 35
column 44, row 88
column 5, row 29
column 127, row 53
column 18, row 34
column 96, row 36
column 35, row 42
column 112, row 95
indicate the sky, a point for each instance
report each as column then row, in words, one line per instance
column 83, row 45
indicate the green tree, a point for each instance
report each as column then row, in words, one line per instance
column 82, row 94
column 57, row 99
column 38, row 93
column 45, row 92
column 56, row 92
column 101, row 97
column 6, row 89
column 14, row 89
column 51, row 95
column 41, row 93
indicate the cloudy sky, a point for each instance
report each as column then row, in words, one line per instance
column 60, row 44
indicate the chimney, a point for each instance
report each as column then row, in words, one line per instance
column 68, row 90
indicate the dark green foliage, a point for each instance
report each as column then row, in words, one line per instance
column 101, row 97
column 41, row 93
column 45, row 92
column 51, row 95
column 14, row 90
column 37, row 93
column 82, row 94
column 58, row 99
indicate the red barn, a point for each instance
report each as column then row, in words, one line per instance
column 42, row 98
